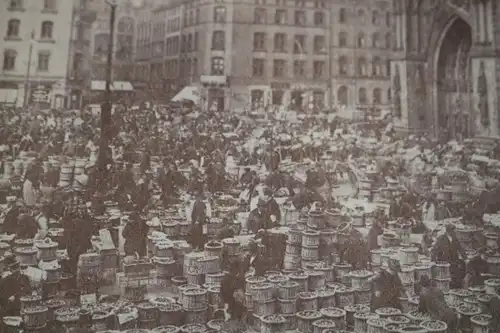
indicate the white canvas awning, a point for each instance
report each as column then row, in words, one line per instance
column 115, row 86
column 8, row 96
column 188, row 93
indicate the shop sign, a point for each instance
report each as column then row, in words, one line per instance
column 280, row 85
column 214, row 79
column 40, row 94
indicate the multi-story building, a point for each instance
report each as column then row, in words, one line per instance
column 298, row 53
column 361, row 48
column 35, row 46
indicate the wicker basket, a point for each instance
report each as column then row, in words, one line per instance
column 170, row 314
column 194, row 299
column 338, row 315
column 287, row 290
column 316, row 280
column 301, row 279
column 147, row 311
column 199, row 316
column 360, row 279
column 214, row 278
column 184, row 288
column 308, row 301
column 35, row 317
column 311, row 238
column 326, row 298
column 213, row 248
column 30, row 301
column 262, row 292
column 344, row 296
column 376, row 325
column 287, row 306
column 251, row 281
column 294, row 236
column 264, row 308
column 305, row 319
column 360, row 321
column 193, row 328
column 273, row 324
column 293, row 249
column 232, row 246
column 441, row 270
column 209, row 264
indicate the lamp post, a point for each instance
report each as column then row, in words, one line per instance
column 107, row 104
column 28, row 71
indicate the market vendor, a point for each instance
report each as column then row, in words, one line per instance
column 259, row 218
column 272, row 208
column 135, row 233
column 432, row 302
column 448, row 249
column 476, row 268
column 388, row 287
column 200, row 213
column 77, row 234
column 13, row 285
column 12, row 213
column 354, row 250
column 232, row 291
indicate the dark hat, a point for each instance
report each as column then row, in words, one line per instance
column 425, row 281
column 261, row 203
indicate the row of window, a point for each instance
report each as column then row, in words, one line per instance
column 281, row 43
column 300, row 16
column 260, row 16
column 280, row 68
column 362, row 67
column 10, row 58
column 14, row 29
column 171, row 69
column 362, row 96
column 19, row 4
column 292, row 3
column 376, row 40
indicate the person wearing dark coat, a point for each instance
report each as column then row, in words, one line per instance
column 432, row 302
column 232, row 291
column 77, row 233
column 475, row 270
column 354, row 250
column 448, row 249
column 27, row 226
column 199, row 217
column 135, row 234
column 259, row 218
column 388, row 287
column 13, row 285
column 375, row 231
column 10, row 222
column 272, row 208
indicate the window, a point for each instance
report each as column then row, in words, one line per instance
column 375, row 40
column 318, row 69
column 299, row 68
column 319, row 45
column 259, row 16
column 343, row 39
column 319, row 4
column 195, row 41
column 362, row 99
column 280, row 16
column 219, row 41
column 388, row 67
column 217, row 66
column 16, row 4
column 13, row 28
column 343, row 96
column 361, row 39
column 279, row 42
column 195, row 67
column 49, row 4
column 279, row 68
column 319, row 99
column 361, row 14
column 319, row 19
column 375, row 17
column 257, row 97
column 388, row 19
column 343, row 70
column 389, row 95
column 220, row 14
column 343, row 15
column 362, row 67
column 377, row 67
column 43, row 61
column 259, row 42
column 190, row 43
column 47, row 27
column 377, row 96
column 388, row 38
column 300, row 17
column 258, row 67
column 299, row 44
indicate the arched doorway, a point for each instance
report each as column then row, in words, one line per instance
column 452, row 77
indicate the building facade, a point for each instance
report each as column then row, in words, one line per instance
column 446, row 71
column 361, row 37
column 35, row 48
column 249, row 53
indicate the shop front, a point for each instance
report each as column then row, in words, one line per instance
column 216, row 88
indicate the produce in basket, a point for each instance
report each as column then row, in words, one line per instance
column 483, row 319
column 361, row 273
column 358, row 308
column 387, row 311
column 309, row 314
column 434, row 325
column 166, row 329
column 193, row 328
column 468, row 309
column 419, row 315
column 324, row 323
column 274, row 319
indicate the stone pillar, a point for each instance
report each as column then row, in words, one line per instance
column 409, row 96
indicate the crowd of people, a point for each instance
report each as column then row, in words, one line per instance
column 160, row 159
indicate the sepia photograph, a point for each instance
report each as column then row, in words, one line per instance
column 249, row 166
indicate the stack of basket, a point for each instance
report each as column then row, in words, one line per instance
column 195, row 304
column 165, row 264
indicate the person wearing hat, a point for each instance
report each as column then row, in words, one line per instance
column 476, row 268
column 10, row 224
column 259, row 218
column 77, row 235
column 135, row 234
column 448, row 249
column 232, row 291
column 388, row 287
column 272, row 208
column 432, row 302
column 13, row 285
column 200, row 213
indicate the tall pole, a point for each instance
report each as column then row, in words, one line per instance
column 107, row 103
column 28, row 71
